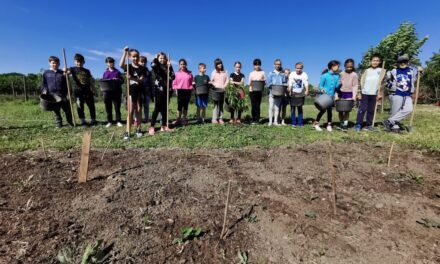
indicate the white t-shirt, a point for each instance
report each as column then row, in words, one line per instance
column 298, row 82
column 371, row 81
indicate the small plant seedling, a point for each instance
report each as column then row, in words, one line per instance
column 95, row 254
column 311, row 214
column 188, row 233
column 409, row 176
column 252, row 218
column 243, row 257
column 65, row 256
column 147, row 220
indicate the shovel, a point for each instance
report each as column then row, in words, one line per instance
column 410, row 127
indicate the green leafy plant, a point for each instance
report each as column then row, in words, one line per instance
column 243, row 257
column 252, row 218
column 65, row 256
column 147, row 220
column 188, row 233
column 311, row 214
column 409, row 176
column 94, row 253
column 234, row 93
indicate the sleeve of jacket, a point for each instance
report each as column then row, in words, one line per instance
column 44, row 83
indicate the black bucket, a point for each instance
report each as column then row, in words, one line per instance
column 257, row 86
column 323, row 102
column 202, row 89
column 217, row 94
column 344, row 105
column 297, row 101
column 108, row 85
column 279, row 90
column 50, row 102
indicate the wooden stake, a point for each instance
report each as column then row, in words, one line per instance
column 378, row 92
column 389, row 155
column 84, row 165
column 333, row 176
column 44, row 149
column 128, row 128
column 226, row 211
column 108, row 144
column 68, row 88
column 168, row 88
column 415, row 100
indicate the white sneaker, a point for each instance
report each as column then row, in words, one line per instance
column 329, row 128
column 317, row 127
column 139, row 133
column 108, row 124
column 119, row 124
column 276, row 124
column 283, row 123
column 270, row 123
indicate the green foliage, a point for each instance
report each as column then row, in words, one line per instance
column 404, row 40
column 94, row 253
column 65, row 256
column 431, row 78
column 188, row 233
column 234, row 100
column 243, row 257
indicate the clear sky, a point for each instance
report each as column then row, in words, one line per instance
column 200, row 31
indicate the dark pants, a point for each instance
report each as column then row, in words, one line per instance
column 89, row 101
column 255, row 105
column 160, row 106
column 65, row 106
column 298, row 122
column 113, row 98
column 329, row 114
column 233, row 114
column 183, row 97
column 367, row 105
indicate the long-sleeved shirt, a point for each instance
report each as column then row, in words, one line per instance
column 297, row 82
column 275, row 78
column 112, row 75
column 183, row 80
column 402, row 81
column 329, row 82
column 370, row 80
column 219, row 79
column 54, row 82
column 349, row 82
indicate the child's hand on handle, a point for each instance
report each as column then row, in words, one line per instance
column 323, row 91
column 379, row 97
column 126, row 49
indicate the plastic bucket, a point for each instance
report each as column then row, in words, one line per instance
column 344, row 105
column 257, row 86
column 108, row 85
column 217, row 94
column 50, row 102
column 297, row 101
column 202, row 89
column 278, row 90
column 323, row 102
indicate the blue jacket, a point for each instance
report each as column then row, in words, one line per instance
column 54, row 83
column 330, row 83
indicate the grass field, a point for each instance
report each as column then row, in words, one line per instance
column 23, row 125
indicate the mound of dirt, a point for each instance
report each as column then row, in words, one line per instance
column 138, row 200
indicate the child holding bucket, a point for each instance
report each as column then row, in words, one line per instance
column 183, row 84
column 298, row 86
column 284, row 99
column 328, row 85
column 113, row 97
column 370, row 84
column 349, row 82
column 219, row 78
column 201, row 99
column 257, row 75
column 54, row 83
column 275, row 77
column 237, row 79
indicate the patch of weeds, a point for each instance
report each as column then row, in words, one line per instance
column 379, row 160
column 146, row 220
column 242, row 257
column 188, row 233
column 311, row 214
column 252, row 218
column 65, row 256
column 409, row 176
column 94, row 253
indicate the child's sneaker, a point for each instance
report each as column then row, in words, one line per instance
column 283, row 123
column 232, row 121
column 221, row 122
column 151, row 131
column 329, row 128
column 357, row 128
column 238, row 121
column 214, row 122
column 139, row 133
column 108, row 124
column 59, row 125
column 317, row 127
column 270, row 124
column 387, row 125
column 119, row 124
column 344, row 128
column 276, row 124
column 126, row 136
column 93, row 122
column 369, row 128
column 293, row 125
column 165, row 129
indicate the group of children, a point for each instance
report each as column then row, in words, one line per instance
column 146, row 85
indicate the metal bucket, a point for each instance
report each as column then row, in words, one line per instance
column 50, row 102
column 257, row 86
column 297, row 100
column 278, row 90
column 202, row 89
column 344, row 105
column 108, row 85
column 323, row 102
column 217, row 94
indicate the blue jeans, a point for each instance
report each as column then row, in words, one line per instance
column 295, row 122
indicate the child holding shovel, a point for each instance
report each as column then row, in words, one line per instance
column 349, row 82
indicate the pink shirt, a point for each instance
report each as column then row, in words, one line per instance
column 183, row 81
column 219, row 79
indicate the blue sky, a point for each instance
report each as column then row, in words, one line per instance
column 200, row 31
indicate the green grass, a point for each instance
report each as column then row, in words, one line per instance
column 24, row 124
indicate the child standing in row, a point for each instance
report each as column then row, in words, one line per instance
column 328, row 84
column 54, row 82
column 369, row 93
column 256, row 75
column 113, row 97
column 83, row 90
column 137, row 73
column 298, row 86
column 349, row 82
column 201, row 100
column 219, row 78
column 284, row 99
column 275, row 77
column 182, row 85
column 237, row 79
column 146, row 89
